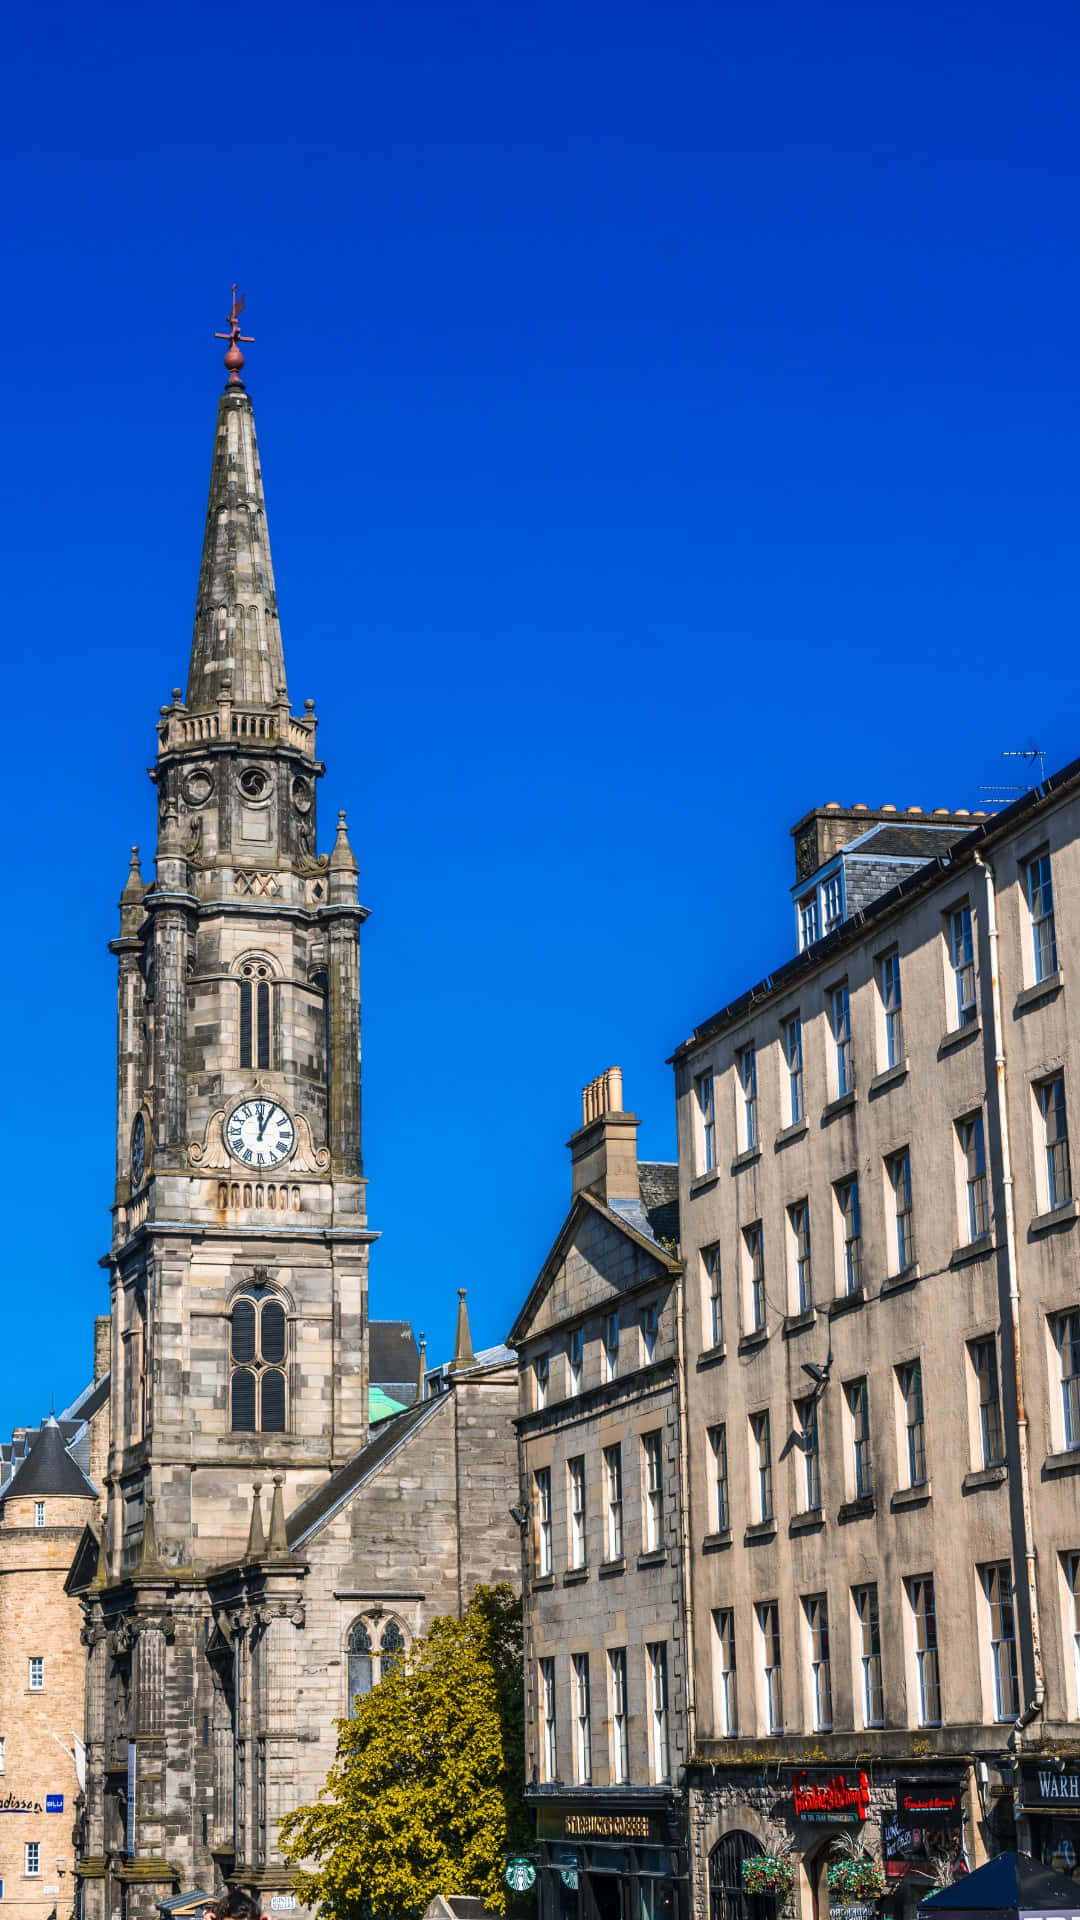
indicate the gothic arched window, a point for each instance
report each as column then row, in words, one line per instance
column 369, row 1663
column 255, row 979
column 257, row 1351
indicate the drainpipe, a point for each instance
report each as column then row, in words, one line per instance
column 686, row 1529
column 1034, row 1705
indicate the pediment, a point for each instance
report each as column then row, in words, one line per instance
column 598, row 1256
column 83, row 1569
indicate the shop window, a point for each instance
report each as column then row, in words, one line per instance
column 728, row 1898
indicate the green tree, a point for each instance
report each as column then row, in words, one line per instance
column 425, row 1793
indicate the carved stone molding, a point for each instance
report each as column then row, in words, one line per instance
column 211, row 1153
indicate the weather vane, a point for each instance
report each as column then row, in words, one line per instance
column 234, row 359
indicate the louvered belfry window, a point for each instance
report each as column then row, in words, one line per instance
column 254, row 1014
column 258, row 1342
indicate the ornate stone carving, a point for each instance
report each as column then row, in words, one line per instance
column 211, row 1153
column 308, row 1158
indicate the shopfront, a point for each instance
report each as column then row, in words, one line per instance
column 1049, row 1799
column 922, row 1836
column 612, row 1859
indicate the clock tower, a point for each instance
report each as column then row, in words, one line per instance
column 239, row 1256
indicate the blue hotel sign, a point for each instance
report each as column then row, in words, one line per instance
column 54, row 1803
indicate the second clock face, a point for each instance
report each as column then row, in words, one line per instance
column 260, row 1133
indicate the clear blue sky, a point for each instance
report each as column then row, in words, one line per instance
column 669, row 418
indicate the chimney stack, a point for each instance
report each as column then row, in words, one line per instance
column 603, row 1152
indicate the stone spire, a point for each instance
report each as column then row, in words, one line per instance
column 237, row 641
column 463, row 1353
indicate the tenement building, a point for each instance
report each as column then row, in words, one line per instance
column 879, row 1229
column 600, row 1438
column 267, row 1550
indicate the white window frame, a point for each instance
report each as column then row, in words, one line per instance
column 613, row 1501
column 806, row 1412
column 868, row 1640
column 909, row 1382
column 898, row 1175
column 650, row 1330
column 652, row 1488
column 767, row 1613
column 971, row 1141
column 1053, row 1113
column 843, row 1046
column 620, row 1718
column 1065, row 1332
column 1039, row 894
column 926, row 1648
column 541, row 1379
column 32, row 1859
column 960, row 935
column 1000, row 1600
column 857, row 1402
column 746, row 1067
column 577, row 1512
column 793, row 1055
column 542, row 1500
column 727, row 1677
column 832, row 901
column 816, row 1614
column 986, row 1374
column 549, row 1744
column 705, row 1111
column 714, row 1299
column 611, row 1346
column 761, row 1438
column 579, row 1680
column 39, row 1513
column 1070, row 1573
column 892, row 1013
column 35, row 1682
column 850, row 1219
column 721, row 1486
column 575, row 1360
column 659, row 1743
column 802, row 1271
column 757, row 1304
column 809, row 915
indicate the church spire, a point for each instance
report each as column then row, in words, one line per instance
column 236, row 647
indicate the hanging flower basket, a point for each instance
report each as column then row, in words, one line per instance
column 859, row 1879
column 768, row 1873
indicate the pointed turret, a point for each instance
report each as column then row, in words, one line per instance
column 278, row 1542
column 131, row 900
column 256, row 1545
column 463, row 1352
column 237, row 641
column 343, row 867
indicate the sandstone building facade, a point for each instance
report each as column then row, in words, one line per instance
column 265, row 1550
column 879, row 1229
column 601, row 1452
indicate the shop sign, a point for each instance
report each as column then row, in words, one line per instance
column 557, row 1823
column 908, row 1848
column 520, row 1874
column 930, row 1804
column 568, row 1876
column 12, row 1804
column 1043, row 1784
column 54, row 1803
column 857, row 1910
column 831, row 1797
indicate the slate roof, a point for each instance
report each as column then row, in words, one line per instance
column 1010, row 1880
column 310, row 1514
column 660, row 1197
column 48, row 1468
column 393, row 1359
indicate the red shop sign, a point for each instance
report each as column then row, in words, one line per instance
column 832, row 1797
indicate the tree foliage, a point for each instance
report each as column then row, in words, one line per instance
column 425, row 1793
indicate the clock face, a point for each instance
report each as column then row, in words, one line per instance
column 260, row 1133
column 138, row 1151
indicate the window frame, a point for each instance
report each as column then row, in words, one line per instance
column 576, row 1514
column 1065, row 1333
column 262, row 1371
column 543, row 1560
column 868, row 1643
column 721, row 1489
column 999, row 1599
column 35, row 1673
column 909, row 1381
column 31, row 1859
column 816, row 1617
column 1039, row 895
column 547, row 1716
column 806, row 1412
column 753, row 1237
column 928, row 1654
column 971, row 1144
column 798, row 1214
column 1054, row 1118
column 652, row 1490
column 659, row 1710
column 712, row 1268
column 613, row 1501
column 705, row 1121
column 849, row 1213
column 541, row 1380
column 761, row 1435
column 726, row 1671
column 767, row 1614
column 898, row 1175
column 618, row 1694
column 842, row 1043
column 575, row 1361
column 989, row 1416
column 746, row 1068
column 890, row 994
column 960, row 943
column 857, row 1402
column 611, row 1345
column 793, row 1056
column 580, row 1687
column 39, row 1513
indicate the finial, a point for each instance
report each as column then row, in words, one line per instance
column 278, row 1540
column 463, row 1347
column 234, row 359
column 256, row 1546
column 421, row 1370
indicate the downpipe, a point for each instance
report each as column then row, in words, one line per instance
column 1034, row 1706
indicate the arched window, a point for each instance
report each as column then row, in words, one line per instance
column 255, row 979
column 372, row 1655
column 257, row 1351
column 728, row 1898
